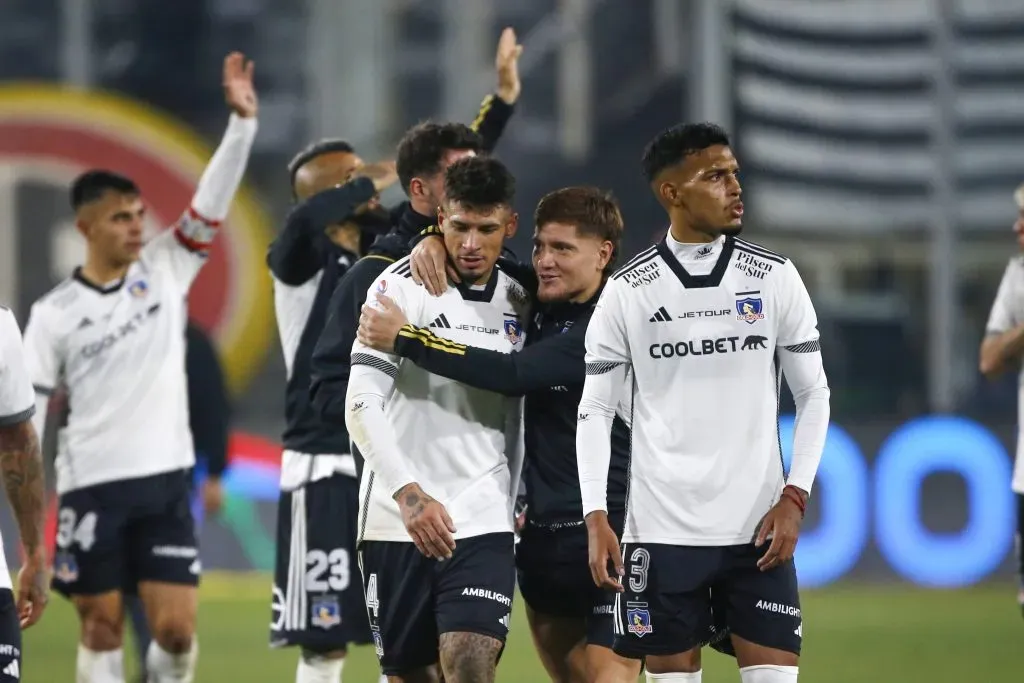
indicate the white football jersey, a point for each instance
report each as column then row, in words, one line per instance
column 120, row 352
column 17, row 400
column 1007, row 313
column 706, row 462
column 457, row 441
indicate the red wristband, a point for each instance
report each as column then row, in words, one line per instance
column 791, row 493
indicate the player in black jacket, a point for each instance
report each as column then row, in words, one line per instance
column 578, row 230
column 318, row 602
column 424, row 154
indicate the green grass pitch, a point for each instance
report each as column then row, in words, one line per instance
column 853, row 633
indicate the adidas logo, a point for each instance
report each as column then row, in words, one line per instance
column 661, row 316
column 441, row 321
column 85, row 323
column 12, row 669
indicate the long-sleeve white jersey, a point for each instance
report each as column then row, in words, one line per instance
column 17, row 402
column 119, row 350
column 462, row 445
column 707, row 330
column 1007, row 313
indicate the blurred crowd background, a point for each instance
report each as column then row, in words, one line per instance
column 880, row 146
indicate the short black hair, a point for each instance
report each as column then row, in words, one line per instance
column 326, row 146
column 479, row 182
column 94, row 183
column 422, row 147
column 673, row 145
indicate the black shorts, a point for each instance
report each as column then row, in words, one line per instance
column 10, row 638
column 317, row 599
column 113, row 535
column 680, row 597
column 412, row 600
column 554, row 579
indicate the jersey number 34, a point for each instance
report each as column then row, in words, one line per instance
column 71, row 530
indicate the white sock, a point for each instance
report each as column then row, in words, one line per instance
column 319, row 670
column 677, row 677
column 99, row 667
column 769, row 673
column 164, row 667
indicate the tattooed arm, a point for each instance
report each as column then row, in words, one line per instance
column 22, row 466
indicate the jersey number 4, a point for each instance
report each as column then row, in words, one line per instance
column 317, row 564
column 372, row 601
column 71, row 530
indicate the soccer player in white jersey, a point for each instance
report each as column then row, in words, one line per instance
column 443, row 459
column 113, row 335
column 22, row 468
column 1001, row 349
column 707, row 322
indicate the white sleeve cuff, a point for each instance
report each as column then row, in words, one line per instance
column 600, row 398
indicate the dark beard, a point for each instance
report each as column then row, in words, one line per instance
column 732, row 230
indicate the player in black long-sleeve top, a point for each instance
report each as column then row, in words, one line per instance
column 334, row 222
column 578, row 230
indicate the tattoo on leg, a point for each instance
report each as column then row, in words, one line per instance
column 469, row 657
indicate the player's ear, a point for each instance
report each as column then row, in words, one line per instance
column 604, row 253
column 668, row 193
column 82, row 227
column 512, row 225
column 417, row 188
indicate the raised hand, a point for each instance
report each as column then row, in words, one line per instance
column 239, row 91
column 506, row 63
column 382, row 173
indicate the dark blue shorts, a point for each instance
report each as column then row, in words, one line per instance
column 113, row 535
column 680, row 597
column 318, row 594
column 554, row 579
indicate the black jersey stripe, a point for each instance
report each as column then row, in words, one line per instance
column 757, row 248
column 635, row 265
column 758, row 254
column 633, row 261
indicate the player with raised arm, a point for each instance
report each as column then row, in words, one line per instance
column 708, row 323
column 113, row 335
column 576, row 238
column 1002, row 349
column 442, row 459
column 22, row 466
column 317, row 595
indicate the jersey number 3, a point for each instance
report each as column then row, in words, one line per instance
column 71, row 530
column 317, row 563
column 641, row 560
